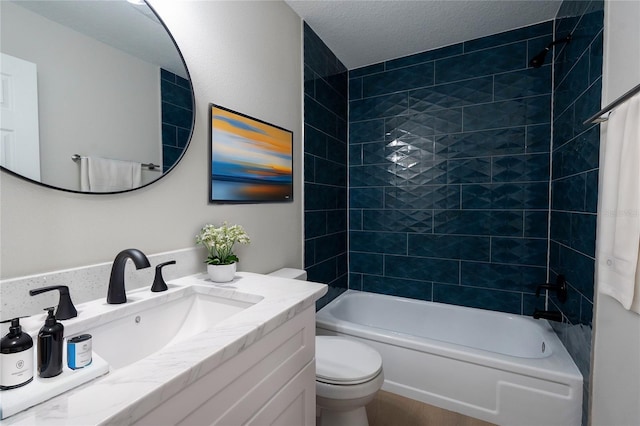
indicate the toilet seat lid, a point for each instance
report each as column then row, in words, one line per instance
column 343, row 361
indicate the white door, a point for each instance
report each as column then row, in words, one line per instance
column 19, row 136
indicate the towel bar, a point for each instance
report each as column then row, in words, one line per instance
column 150, row 166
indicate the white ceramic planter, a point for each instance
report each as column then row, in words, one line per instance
column 221, row 273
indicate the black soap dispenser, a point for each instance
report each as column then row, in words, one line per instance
column 50, row 347
column 16, row 353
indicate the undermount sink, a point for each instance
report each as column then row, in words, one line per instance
column 137, row 335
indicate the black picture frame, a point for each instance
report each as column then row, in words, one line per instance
column 250, row 160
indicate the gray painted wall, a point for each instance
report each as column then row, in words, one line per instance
column 243, row 55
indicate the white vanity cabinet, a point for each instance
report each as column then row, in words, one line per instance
column 241, row 354
column 270, row 382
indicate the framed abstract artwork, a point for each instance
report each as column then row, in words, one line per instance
column 251, row 161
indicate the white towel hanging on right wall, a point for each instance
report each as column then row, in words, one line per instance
column 618, row 232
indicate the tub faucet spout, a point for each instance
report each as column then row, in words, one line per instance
column 549, row 315
column 116, row 293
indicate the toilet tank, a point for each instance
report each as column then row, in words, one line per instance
column 296, row 274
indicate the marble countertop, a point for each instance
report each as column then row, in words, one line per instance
column 126, row 394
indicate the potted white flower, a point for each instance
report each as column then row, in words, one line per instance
column 219, row 241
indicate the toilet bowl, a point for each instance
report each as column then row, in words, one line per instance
column 348, row 374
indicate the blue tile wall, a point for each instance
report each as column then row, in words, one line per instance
column 177, row 116
column 463, row 188
column 325, row 165
column 574, row 182
column 449, row 173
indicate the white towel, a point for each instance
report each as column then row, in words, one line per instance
column 618, row 233
column 103, row 175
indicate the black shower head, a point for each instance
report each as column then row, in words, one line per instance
column 538, row 60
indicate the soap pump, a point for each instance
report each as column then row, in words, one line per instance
column 50, row 346
column 16, row 353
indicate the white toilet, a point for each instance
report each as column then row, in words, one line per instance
column 348, row 374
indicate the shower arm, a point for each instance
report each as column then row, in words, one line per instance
column 567, row 39
column 538, row 60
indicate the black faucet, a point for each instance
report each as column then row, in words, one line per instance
column 158, row 281
column 548, row 315
column 65, row 310
column 560, row 287
column 116, row 293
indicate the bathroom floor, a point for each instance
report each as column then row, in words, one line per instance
column 389, row 409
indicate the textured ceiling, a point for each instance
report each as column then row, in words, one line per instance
column 367, row 32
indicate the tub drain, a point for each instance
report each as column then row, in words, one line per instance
column 543, row 347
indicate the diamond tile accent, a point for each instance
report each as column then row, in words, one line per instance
column 478, row 298
column 561, row 227
column 536, row 224
column 517, row 112
column 520, row 168
column 355, row 219
column 472, row 170
column 409, row 127
column 378, row 242
column 423, row 197
column 519, row 251
column 505, row 58
column 421, row 268
column 591, row 201
column 450, row 247
column 329, row 246
column 577, row 156
column 397, row 287
column 366, row 197
column 378, row 107
column 569, row 193
column 452, row 164
column 583, row 233
column 366, row 131
column 447, row 120
column 481, row 143
column 397, row 220
column 367, row 263
column 370, row 175
column 456, row 94
column 355, row 155
column 504, row 277
column 403, row 153
column 406, row 78
column 520, row 84
column 538, row 138
column 478, row 222
column 505, row 196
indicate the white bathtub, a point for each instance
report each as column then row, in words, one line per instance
column 502, row 368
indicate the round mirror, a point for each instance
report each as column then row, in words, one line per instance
column 95, row 96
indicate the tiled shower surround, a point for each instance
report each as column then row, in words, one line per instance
column 449, row 173
column 574, row 181
column 325, row 166
column 454, row 195
column 577, row 95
